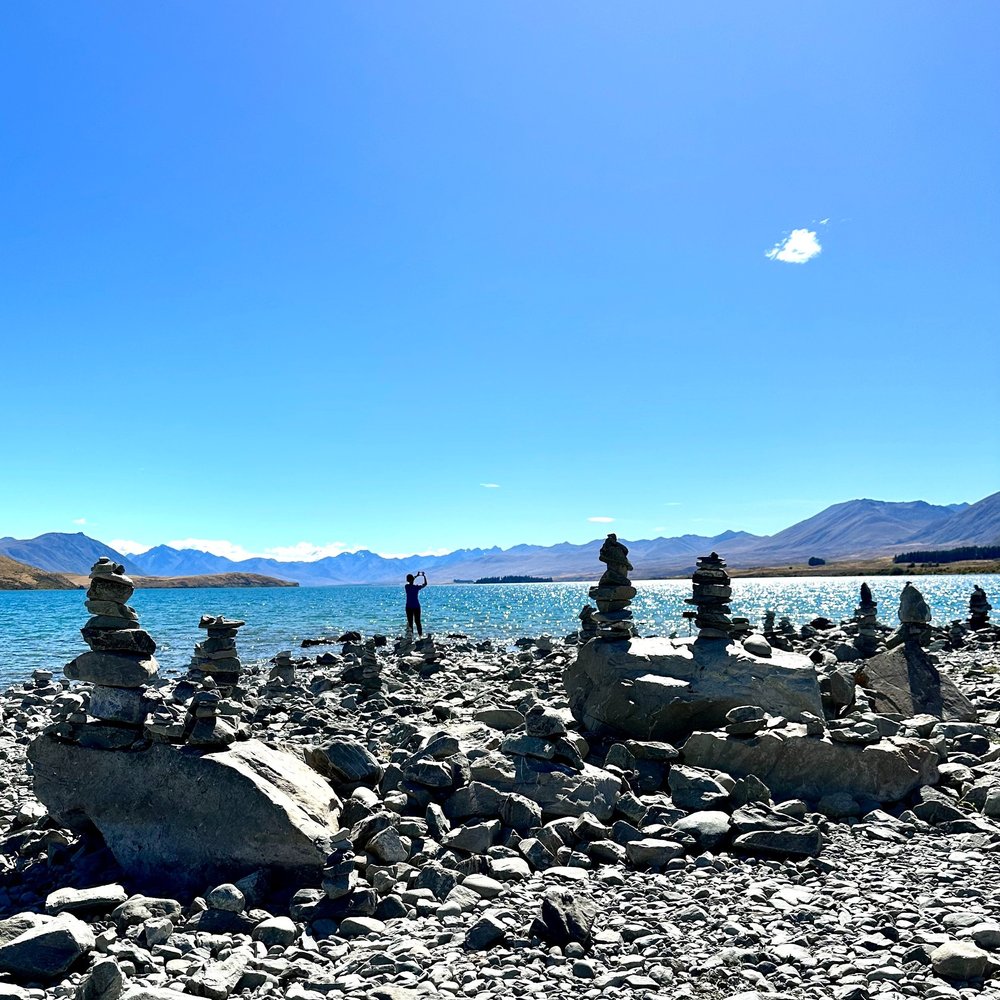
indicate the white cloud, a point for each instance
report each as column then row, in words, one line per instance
column 490, row 486
column 798, row 247
column 79, row 520
column 127, row 547
column 823, row 222
column 672, row 503
column 600, row 520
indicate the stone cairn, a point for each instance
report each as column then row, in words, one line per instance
column 120, row 663
column 979, row 609
column 711, row 594
column 588, row 627
column 365, row 670
column 914, row 616
column 768, row 628
column 283, row 669
column 866, row 615
column 613, row 593
column 216, row 655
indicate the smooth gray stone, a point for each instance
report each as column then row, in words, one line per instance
column 191, row 819
column 112, row 669
column 663, row 688
column 47, row 950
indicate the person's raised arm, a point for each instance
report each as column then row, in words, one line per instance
column 424, row 575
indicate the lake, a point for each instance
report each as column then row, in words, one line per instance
column 40, row 628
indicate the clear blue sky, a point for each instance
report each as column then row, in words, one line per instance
column 313, row 272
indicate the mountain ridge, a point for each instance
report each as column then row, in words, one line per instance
column 847, row 530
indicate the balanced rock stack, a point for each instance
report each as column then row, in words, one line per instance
column 120, row 662
column 546, row 738
column 213, row 721
column 588, row 627
column 613, row 593
column 768, row 630
column 216, row 655
column 866, row 615
column 283, row 671
column 711, row 593
column 979, row 609
column 914, row 616
column 365, row 670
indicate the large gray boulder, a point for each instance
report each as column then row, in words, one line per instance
column 179, row 817
column 906, row 682
column 559, row 790
column 45, row 948
column 794, row 765
column 664, row 689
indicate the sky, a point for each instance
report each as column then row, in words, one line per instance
column 291, row 279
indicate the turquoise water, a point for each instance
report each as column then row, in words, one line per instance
column 40, row 628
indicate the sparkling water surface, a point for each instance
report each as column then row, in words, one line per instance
column 40, row 628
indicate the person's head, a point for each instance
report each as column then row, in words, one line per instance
column 409, row 578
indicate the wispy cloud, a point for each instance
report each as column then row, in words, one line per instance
column 307, row 551
column 216, row 546
column 600, row 520
column 800, row 246
column 79, row 520
column 490, row 486
column 672, row 503
column 129, row 548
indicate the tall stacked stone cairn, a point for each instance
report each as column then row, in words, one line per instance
column 768, row 628
column 914, row 616
column 866, row 615
column 119, row 665
column 216, row 655
column 613, row 593
column 710, row 597
column 979, row 609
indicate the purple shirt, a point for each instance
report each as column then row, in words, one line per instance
column 413, row 594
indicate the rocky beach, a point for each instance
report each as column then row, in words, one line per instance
column 759, row 810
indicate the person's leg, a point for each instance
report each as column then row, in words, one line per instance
column 409, row 619
column 416, row 615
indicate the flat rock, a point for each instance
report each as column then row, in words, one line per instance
column 184, row 818
column 98, row 899
column 664, row 688
column 120, row 670
column 793, row 765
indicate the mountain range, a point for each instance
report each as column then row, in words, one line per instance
column 855, row 529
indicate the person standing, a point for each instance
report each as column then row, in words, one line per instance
column 413, row 601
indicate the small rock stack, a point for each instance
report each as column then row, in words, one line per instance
column 283, row 671
column 914, row 616
column 866, row 615
column 365, row 670
column 769, row 631
column 979, row 609
column 711, row 594
column 216, row 655
column 213, row 720
column 613, row 593
column 588, row 627
column 121, row 659
column 545, row 738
